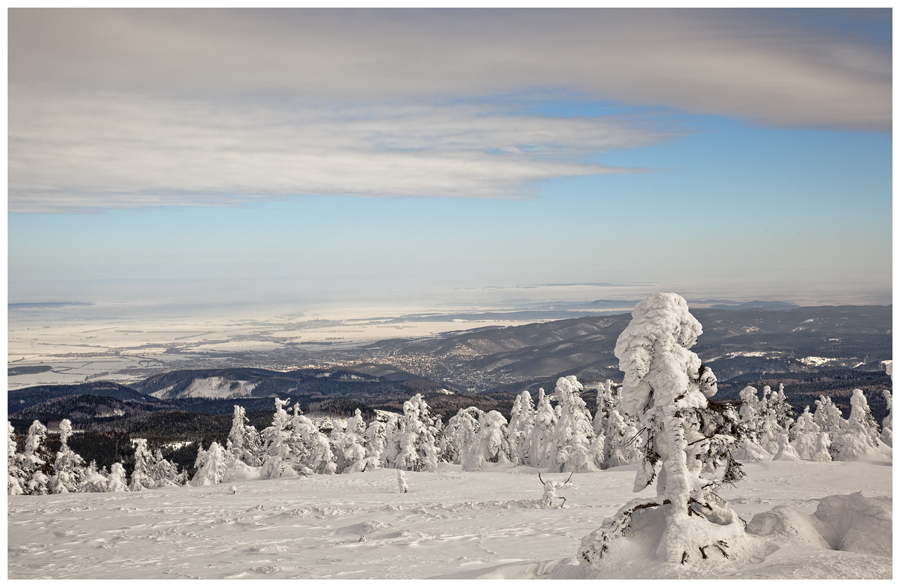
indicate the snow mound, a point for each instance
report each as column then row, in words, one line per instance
column 626, row 547
column 850, row 523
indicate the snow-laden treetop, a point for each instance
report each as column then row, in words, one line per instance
column 652, row 352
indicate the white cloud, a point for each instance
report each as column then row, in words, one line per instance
column 114, row 151
column 129, row 108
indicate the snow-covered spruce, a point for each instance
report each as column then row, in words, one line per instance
column 211, row 465
column 15, row 474
column 116, row 480
column 244, row 442
column 140, row 476
column 417, row 437
column 489, row 444
column 543, row 433
column 68, row 467
column 521, row 423
column 37, row 463
column 667, row 387
column 887, row 425
column 459, row 435
column 574, row 433
column 810, row 443
column 858, row 436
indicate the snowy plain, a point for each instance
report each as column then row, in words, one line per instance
column 451, row 524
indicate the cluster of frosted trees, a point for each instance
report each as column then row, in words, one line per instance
column 561, row 439
column 36, row 471
column 823, row 435
column 564, row 438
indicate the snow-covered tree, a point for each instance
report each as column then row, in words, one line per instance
column 667, row 387
column 805, row 433
column 772, row 411
column 68, row 466
column 15, row 475
column 828, row 416
column 348, row 445
column 93, row 481
column 115, row 481
column 278, row 457
column 458, row 438
column 211, row 470
column 143, row 460
column 376, row 443
column 785, row 450
column 543, row 453
column 37, row 463
column 244, row 442
column 784, row 412
column 402, row 487
column 164, row 473
column 622, row 443
column 521, row 421
column 310, row 447
column 489, row 444
column 859, row 435
column 607, row 399
column 887, row 425
column 574, row 431
column 417, row 437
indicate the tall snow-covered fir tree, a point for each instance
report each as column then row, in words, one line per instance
column 164, row 473
column 244, row 442
column 310, row 446
column 828, row 416
column 521, row 422
column 68, row 466
column 543, row 433
column 459, row 434
column 806, row 440
column 15, row 475
column 417, row 437
column 574, row 432
column 667, row 387
column 887, row 425
column 278, row 457
column 211, row 467
column 859, row 434
column 37, row 463
column 143, row 460
column 489, row 445
column 376, row 443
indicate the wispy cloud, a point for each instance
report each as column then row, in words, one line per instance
column 125, row 108
column 122, row 152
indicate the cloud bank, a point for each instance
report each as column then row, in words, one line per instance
column 130, row 108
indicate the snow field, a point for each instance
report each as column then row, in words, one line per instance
column 450, row 524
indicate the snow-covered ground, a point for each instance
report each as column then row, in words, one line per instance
column 450, row 524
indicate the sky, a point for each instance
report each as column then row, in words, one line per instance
column 287, row 156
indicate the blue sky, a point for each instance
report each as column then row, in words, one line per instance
column 431, row 151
